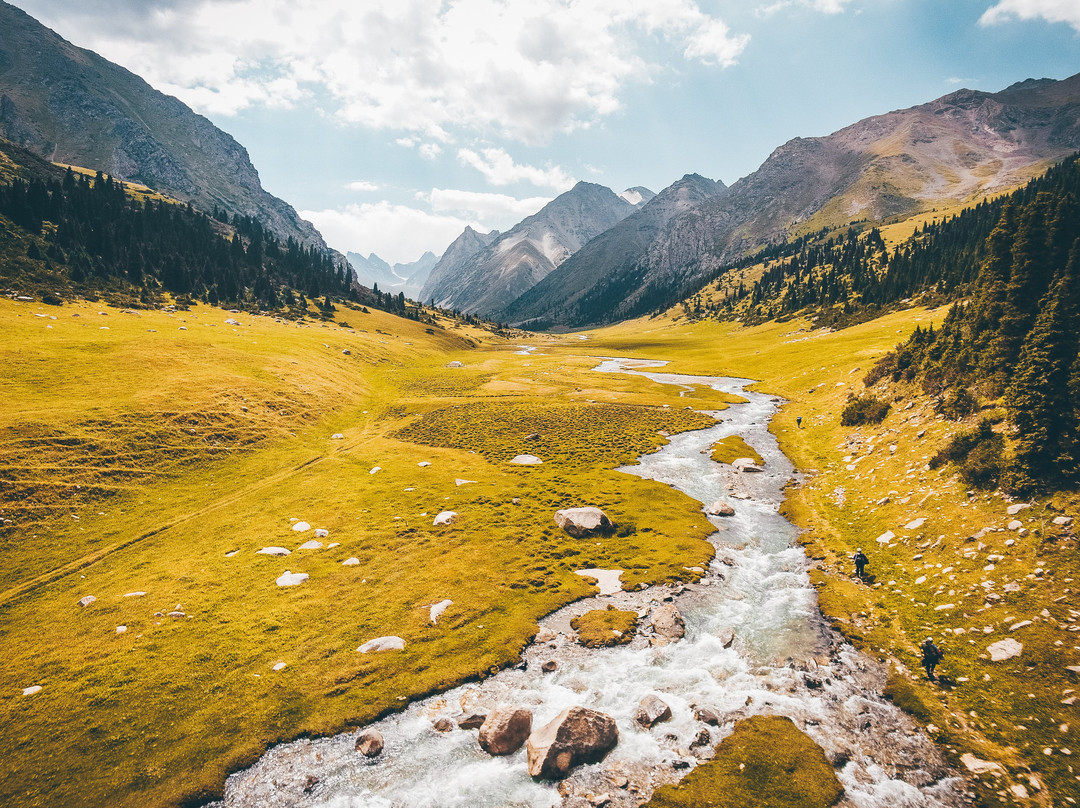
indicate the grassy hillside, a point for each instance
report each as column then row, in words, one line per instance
column 155, row 452
column 969, row 574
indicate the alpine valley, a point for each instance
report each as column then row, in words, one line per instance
column 562, row 517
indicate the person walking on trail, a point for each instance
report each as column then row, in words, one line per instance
column 798, row 421
column 931, row 656
column 861, row 561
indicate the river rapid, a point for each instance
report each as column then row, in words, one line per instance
column 755, row 644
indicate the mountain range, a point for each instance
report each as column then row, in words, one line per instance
column 490, row 279
column 958, row 148
column 408, row 278
column 70, row 105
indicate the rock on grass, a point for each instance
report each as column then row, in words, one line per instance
column 765, row 761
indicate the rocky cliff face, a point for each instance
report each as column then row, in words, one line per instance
column 603, row 279
column 69, row 105
column 489, row 280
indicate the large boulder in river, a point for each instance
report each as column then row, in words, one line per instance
column 580, row 522
column 652, row 710
column 505, row 730
column 719, row 508
column 575, row 736
column 668, row 622
column 369, row 743
column 745, row 464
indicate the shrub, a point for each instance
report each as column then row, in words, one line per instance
column 959, row 404
column 864, row 410
column 977, row 452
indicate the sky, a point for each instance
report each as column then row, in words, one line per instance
column 393, row 124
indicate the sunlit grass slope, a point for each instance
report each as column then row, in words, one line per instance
column 156, row 452
column 961, row 575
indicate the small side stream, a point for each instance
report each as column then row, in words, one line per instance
column 784, row 660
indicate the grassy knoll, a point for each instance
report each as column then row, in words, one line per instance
column 602, row 627
column 155, row 452
column 766, row 762
column 731, row 448
column 960, row 575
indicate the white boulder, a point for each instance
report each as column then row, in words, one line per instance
column 1004, row 649
column 719, row 508
column 351, row 562
column 279, row 552
column 580, row 522
column 438, row 609
column 311, row 545
column 526, row 460
column 745, row 464
column 445, row 518
column 382, row 644
column 292, row 578
column 84, row 602
column 300, row 527
column 321, row 533
column 29, row 691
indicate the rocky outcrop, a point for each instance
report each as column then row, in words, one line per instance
column 580, row 522
column 719, row 508
column 505, row 730
column 390, row 643
column 575, row 736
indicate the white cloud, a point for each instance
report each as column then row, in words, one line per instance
column 822, row 6
column 499, row 168
column 484, row 206
column 499, row 67
column 363, row 185
column 396, row 233
column 429, row 151
column 1067, row 11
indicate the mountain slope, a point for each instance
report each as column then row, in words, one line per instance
column 453, row 262
column 72, row 106
column 589, row 286
column 957, row 148
column 518, row 259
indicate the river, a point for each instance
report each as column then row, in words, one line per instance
column 783, row 660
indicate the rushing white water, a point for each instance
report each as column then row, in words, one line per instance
column 784, row 660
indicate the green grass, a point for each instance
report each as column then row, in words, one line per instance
column 729, row 449
column 603, row 627
column 137, row 458
column 766, row 762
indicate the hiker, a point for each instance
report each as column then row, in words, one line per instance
column 798, row 421
column 931, row 656
column 861, row 561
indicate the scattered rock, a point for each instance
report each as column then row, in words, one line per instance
column 1012, row 510
column 279, row 666
column 1015, row 524
column 443, row 724
column 311, row 545
column 459, row 482
column 273, row 551
column 719, row 508
column 29, row 691
column 438, row 609
column 472, row 721
column 445, row 518
column 369, row 743
column 533, row 436
column 121, row 629
column 550, row 666
column 454, row 364
column 300, row 527
column 321, row 533
column 886, row 537
column 977, row 766
column 134, row 594
column 375, row 470
column 526, row 460
column 309, row 783
column 337, row 436
column 179, row 615
column 546, row 635
column 668, row 622
column 390, row 643
column 703, row 738
column 745, row 464
column 580, row 522
column 292, row 578
column 232, row 553
column 86, row 601
column 1004, row 649
column 652, row 710
column 1020, row 625
column 576, row 735
column 1062, row 521
column 707, row 716
column 727, row 636
column 915, row 524
column 346, row 352
column 505, row 730
column 351, row 562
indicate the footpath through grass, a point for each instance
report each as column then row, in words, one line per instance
column 944, row 562
column 147, row 456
